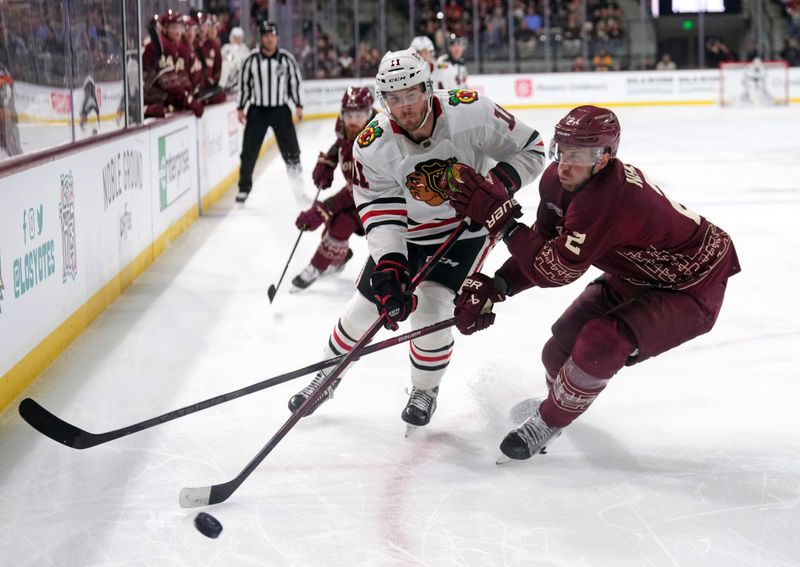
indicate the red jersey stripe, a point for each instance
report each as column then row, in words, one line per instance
column 340, row 342
column 422, row 358
column 395, row 212
column 434, row 224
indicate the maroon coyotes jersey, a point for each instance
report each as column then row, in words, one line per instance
column 211, row 51
column 624, row 225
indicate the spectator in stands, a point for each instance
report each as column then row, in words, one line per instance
column 495, row 33
column 602, row 60
column 259, row 12
column 666, row 63
column 579, row 65
column 791, row 52
column 531, row 23
column 9, row 132
column 793, row 12
column 717, row 52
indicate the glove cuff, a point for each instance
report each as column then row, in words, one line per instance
column 507, row 175
column 392, row 260
column 500, row 285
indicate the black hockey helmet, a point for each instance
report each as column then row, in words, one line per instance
column 269, row 27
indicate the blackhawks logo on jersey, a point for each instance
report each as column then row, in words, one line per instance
column 459, row 96
column 423, row 182
column 369, row 134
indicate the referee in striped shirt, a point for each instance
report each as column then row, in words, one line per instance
column 270, row 79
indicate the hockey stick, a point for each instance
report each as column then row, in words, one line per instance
column 203, row 496
column 59, row 430
column 273, row 289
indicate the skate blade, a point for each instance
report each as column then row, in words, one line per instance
column 410, row 429
column 502, row 459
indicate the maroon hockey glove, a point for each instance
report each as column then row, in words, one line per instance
column 323, row 171
column 474, row 303
column 195, row 106
column 389, row 281
column 484, row 200
column 313, row 217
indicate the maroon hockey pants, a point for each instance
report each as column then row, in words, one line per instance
column 333, row 246
column 612, row 324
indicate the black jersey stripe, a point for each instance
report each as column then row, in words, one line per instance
column 380, row 201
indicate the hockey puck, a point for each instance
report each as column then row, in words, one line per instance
column 207, row 525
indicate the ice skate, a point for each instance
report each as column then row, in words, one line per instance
column 419, row 409
column 308, row 276
column 242, row 196
column 301, row 396
column 530, row 438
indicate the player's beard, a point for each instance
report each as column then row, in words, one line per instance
column 352, row 131
column 411, row 120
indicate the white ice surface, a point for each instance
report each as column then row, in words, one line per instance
column 690, row 459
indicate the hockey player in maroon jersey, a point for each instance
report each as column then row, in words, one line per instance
column 338, row 212
column 196, row 60
column 212, row 92
column 665, row 268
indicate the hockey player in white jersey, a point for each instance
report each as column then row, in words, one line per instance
column 399, row 159
column 450, row 71
column 424, row 47
column 754, row 84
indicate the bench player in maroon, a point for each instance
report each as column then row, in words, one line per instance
column 665, row 268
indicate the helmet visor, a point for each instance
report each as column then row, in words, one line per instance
column 574, row 155
column 406, row 97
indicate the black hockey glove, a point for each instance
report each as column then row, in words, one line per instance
column 389, row 281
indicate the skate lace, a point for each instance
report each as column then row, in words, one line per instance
column 315, row 383
column 536, row 433
column 421, row 399
column 309, row 273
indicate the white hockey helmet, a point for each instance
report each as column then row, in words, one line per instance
column 402, row 69
column 422, row 43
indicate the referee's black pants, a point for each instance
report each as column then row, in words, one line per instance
column 259, row 120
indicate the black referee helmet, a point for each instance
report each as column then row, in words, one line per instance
column 269, row 27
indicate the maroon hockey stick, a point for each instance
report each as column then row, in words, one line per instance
column 203, row 496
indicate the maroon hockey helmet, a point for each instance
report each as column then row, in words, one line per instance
column 170, row 17
column 357, row 98
column 191, row 22
column 589, row 127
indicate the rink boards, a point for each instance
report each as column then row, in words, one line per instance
column 77, row 229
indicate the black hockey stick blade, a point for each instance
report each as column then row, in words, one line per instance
column 273, row 289
column 56, row 428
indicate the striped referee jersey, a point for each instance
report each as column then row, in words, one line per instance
column 269, row 81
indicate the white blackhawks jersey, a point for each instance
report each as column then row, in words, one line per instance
column 395, row 179
column 449, row 73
